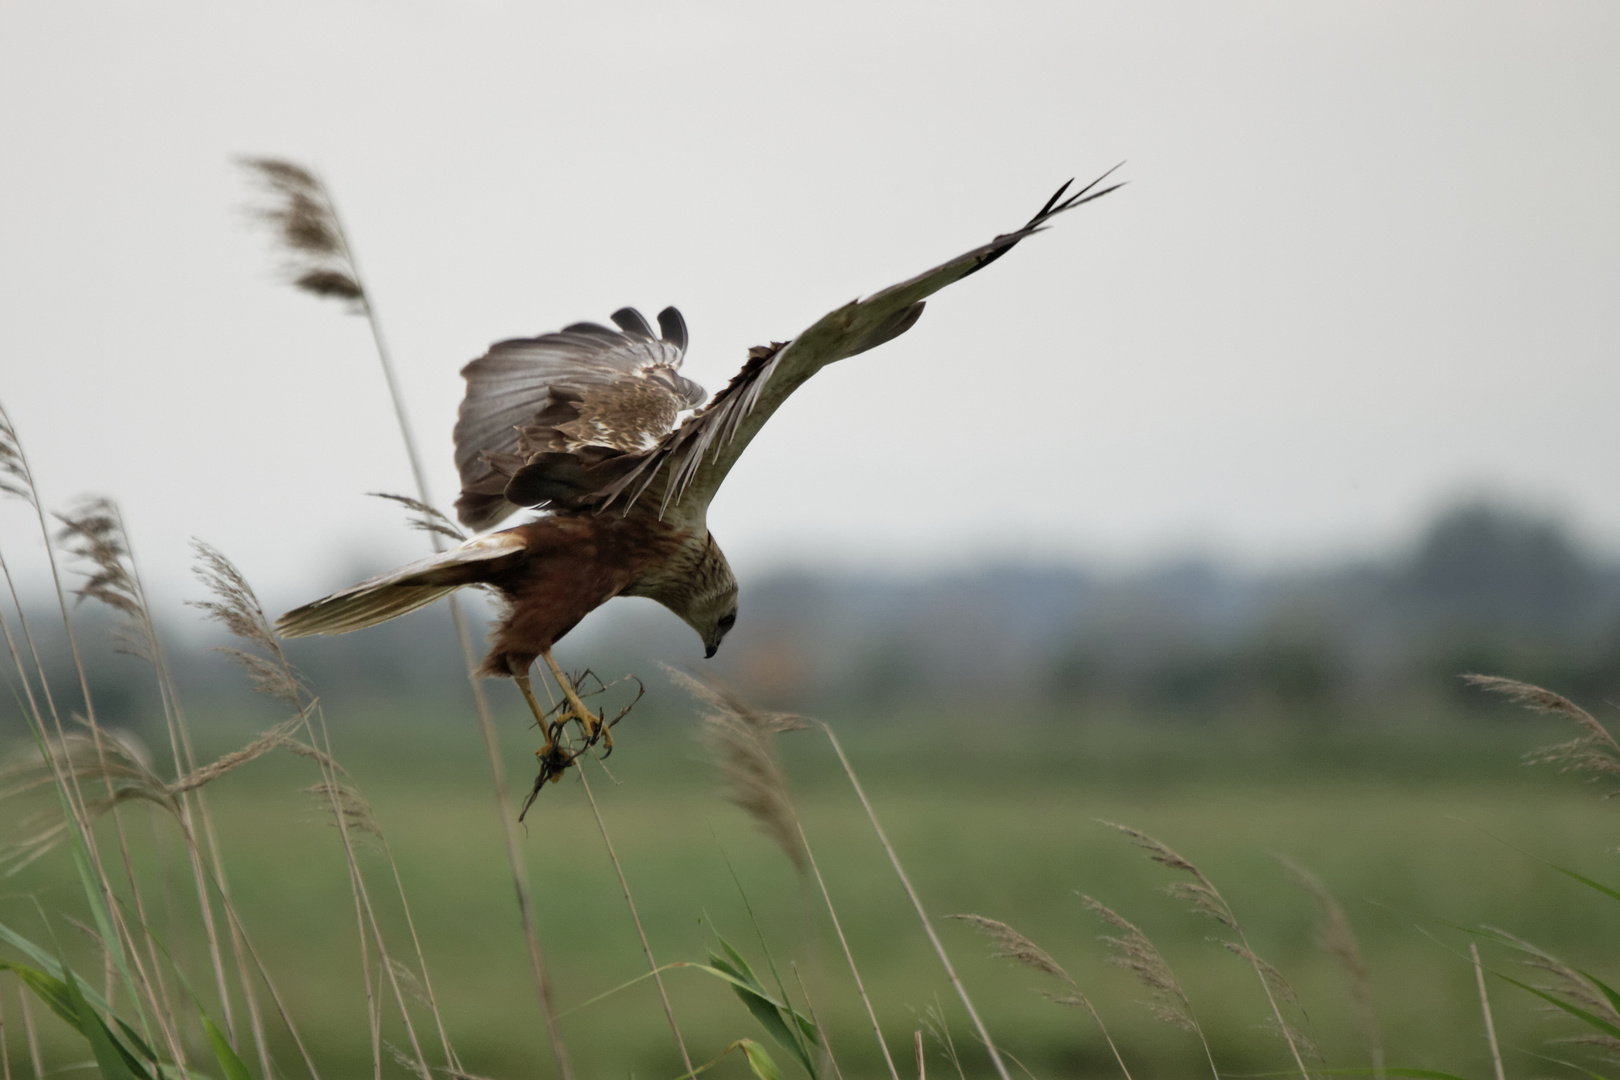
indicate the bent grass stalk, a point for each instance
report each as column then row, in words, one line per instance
column 1135, row 952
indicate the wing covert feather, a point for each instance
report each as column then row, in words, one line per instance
column 585, row 386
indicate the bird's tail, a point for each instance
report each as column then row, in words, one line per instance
column 358, row 607
column 402, row 590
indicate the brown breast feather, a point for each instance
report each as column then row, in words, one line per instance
column 574, row 564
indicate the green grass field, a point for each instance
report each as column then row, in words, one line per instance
column 1411, row 828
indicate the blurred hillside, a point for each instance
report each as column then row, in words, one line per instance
column 1484, row 588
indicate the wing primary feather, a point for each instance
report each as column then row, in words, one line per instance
column 1053, row 200
column 1054, row 206
column 673, row 327
column 632, row 321
column 1084, row 195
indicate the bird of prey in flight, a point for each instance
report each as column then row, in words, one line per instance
column 586, row 426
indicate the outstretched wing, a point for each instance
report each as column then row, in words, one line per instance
column 584, row 395
column 683, row 470
column 688, row 467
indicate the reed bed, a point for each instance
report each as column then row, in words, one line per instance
column 189, row 992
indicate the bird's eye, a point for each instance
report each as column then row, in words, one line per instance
column 728, row 621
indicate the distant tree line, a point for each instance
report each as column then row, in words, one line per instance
column 1486, row 588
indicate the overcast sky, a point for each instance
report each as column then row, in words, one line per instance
column 1368, row 261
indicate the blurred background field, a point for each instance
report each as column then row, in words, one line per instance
column 1413, row 826
column 1235, row 718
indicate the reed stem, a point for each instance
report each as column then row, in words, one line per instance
column 646, row 947
column 928, row 927
column 486, row 723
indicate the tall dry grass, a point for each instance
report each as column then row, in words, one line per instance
column 146, row 1023
column 96, row 773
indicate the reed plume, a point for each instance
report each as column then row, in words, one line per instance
column 235, row 607
column 742, row 743
column 1595, row 752
column 426, row 518
column 1206, row 899
column 1011, row 945
column 1572, row 985
column 14, row 478
column 1134, row 951
column 299, row 212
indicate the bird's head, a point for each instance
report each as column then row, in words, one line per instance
column 710, row 607
column 716, row 623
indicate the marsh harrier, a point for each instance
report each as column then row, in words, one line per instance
column 586, row 425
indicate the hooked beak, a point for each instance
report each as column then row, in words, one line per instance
column 708, row 652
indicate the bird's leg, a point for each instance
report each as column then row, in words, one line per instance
column 550, row 727
column 553, row 758
column 522, row 680
column 588, row 721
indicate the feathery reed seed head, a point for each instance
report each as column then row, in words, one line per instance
column 339, row 798
column 1595, row 752
column 1132, row 950
column 122, row 766
column 14, row 476
column 1567, row 982
column 278, row 737
column 741, row 742
column 1200, row 893
column 119, row 765
column 237, row 609
column 300, row 213
column 92, row 533
column 1011, row 945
